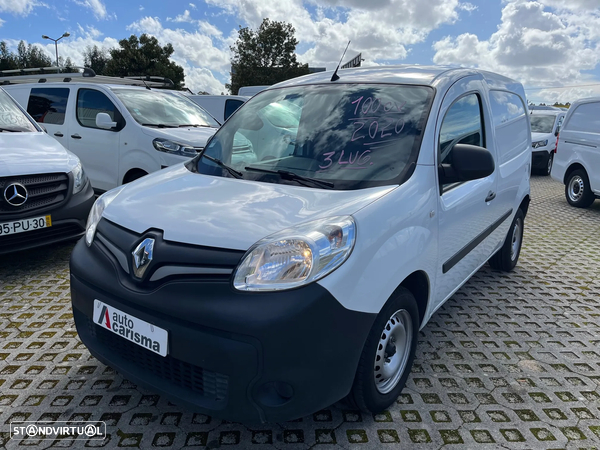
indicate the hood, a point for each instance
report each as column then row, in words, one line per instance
column 33, row 153
column 192, row 136
column 542, row 137
column 225, row 212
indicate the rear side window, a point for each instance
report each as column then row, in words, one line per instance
column 231, row 106
column 48, row 105
column 585, row 118
column 506, row 107
column 90, row 103
column 462, row 125
column 510, row 121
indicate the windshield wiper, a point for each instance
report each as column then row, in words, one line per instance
column 292, row 176
column 10, row 129
column 221, row 164
column 158, row 125
column 194, row 125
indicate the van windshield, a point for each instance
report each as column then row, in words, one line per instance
column 164, row 109
column 350, row 135
column 542, row 124
column 11, row 117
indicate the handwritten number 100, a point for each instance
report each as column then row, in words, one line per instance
column 372, row 105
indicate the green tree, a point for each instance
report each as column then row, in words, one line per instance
column 96, row 58
column 144, row 56
column 8, row 59
column 265, row 56
column 29, row 56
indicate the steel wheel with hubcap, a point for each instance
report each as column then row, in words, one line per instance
column 577, row 189
column 388, row 354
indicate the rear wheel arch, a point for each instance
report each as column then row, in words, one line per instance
column 572, row 167
column 524, row 206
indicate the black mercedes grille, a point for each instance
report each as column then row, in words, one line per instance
column 208, row 384
column 43, row 190
column 55, row 233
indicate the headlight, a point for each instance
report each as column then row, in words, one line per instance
column 79, row 178
column 96, row 213
column 296, row 256
column 167, row 146
column 538, row 144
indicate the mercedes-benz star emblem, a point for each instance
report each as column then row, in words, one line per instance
column 142, row 255
column 15, row 194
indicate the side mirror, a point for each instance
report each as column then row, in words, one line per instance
column 557, row 132
column 469, row 162
column 104, row 121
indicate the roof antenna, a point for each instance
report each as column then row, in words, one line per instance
column 335, row 76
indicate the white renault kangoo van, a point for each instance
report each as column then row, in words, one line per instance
column 577, row 157
column 270, row 290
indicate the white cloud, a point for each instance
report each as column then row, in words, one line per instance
column 185, row 17
column 19, row 7
column 192, row 5
column 204, row 54
column 2, row 22
column 533, row 45
column 97, row 7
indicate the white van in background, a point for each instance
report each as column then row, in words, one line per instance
column 119, row 132
column 251, row 91
column 545, row 126
column 577, row 157
column 219, row 106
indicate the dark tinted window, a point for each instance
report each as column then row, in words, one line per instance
column 91, row 102
column 231, row 106
column 48, row 105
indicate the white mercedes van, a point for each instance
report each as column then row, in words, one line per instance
column 45, row 196
column 267, row 291
column 119, row 132
column 577, row 157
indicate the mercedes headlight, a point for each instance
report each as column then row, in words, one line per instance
column 96, row 213
column 296, row 256
column 538, row 144
column 79, row 178
column 167, row 146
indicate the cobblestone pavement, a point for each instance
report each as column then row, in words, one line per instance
column 511, row 361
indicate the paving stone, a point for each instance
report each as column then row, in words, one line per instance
column 510, row 361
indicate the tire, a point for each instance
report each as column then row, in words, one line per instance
column 507, row 257
column 132, row 176
column 400, row 315
column 549, row 165
column 577, row 189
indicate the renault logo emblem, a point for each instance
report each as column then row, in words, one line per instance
column 15, row 194
column 142, row 255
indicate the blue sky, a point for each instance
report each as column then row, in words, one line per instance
column 543, row 43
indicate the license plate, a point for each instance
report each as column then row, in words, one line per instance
column 23, row 225
column 131, row 328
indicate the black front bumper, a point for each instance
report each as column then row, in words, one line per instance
column 68, row 222
column 539, row 159
column 248, row 357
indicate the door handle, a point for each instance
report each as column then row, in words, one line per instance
column 58, row 134
column 75, row 136
column 491, row 196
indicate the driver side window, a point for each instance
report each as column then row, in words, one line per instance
column 462, row 124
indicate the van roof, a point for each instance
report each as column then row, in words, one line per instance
column 437, row 76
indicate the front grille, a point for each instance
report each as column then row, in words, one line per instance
column 43, row 190
column 211, row 385
column 28, row 239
